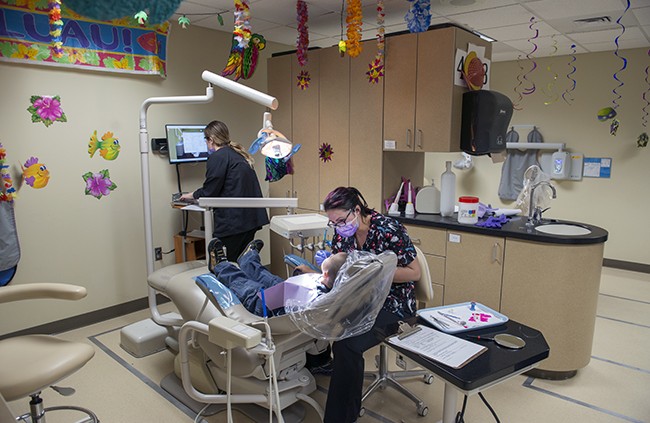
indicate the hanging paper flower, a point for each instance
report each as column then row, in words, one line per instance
column 183, row 21
column 375, row 71
column 35, row 174
column 46, row 109
column 642, row 141
column 376, row 67
column 303, row 80
column 325, row 152
column 418, row 18
column 473, row 71
column 141, row 17
column 56, row 25
column 7, row 191
column 354, row 21
column 98, row 184
column 342, row 47
column 303, row 34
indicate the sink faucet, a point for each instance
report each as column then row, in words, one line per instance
column 534, row 213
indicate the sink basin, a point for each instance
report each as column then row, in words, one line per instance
column 562, row 229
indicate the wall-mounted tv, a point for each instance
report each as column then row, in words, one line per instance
column 186, row 143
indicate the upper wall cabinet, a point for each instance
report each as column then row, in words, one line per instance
column 422, row 104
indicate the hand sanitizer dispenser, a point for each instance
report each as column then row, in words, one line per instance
column 561, row 161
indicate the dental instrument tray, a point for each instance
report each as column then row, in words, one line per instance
column 463, row 317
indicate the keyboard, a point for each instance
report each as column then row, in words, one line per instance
column 177, row 201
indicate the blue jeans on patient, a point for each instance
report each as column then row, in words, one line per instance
column 247, row 279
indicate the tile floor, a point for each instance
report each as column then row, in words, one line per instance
column 614, row 387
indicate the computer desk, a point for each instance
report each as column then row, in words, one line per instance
column 492, row 367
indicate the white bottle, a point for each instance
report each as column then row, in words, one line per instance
column 447, row 191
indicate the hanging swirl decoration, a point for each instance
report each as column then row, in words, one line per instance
column 566, row 95
column 550, row 91
column 376, row 67
column 303, row 33
column 56, row 26
column 516, row 104
column 647, row 102
column 620, row 83
column 531, row 88
column 354, row 21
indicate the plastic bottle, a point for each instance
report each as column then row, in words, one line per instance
column 447, row 191
column 468, row 210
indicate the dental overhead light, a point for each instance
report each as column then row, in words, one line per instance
column 271, row 142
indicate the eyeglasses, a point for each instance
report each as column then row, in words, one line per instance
column 341, row 222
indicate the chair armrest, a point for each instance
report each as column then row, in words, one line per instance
column 31, row 291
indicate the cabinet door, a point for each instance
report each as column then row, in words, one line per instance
column 399, row 92
column 279, row 86
column 435, row 85
column 305, row 132
column 366, row 127
column 334, row 121
column 474, row 267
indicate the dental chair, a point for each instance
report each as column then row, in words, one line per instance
column 383, row 377
column 31, row 363
column 212, row 370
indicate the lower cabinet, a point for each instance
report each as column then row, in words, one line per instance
column 432, row 243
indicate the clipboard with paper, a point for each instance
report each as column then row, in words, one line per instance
column 437, row 346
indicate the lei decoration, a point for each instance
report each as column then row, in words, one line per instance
column 354, row 21
column 376, row 67
column 46, row 109
column 8, row 192
column 325, row 152
column 303, row 80
column 303, row 33
column 418, row 18
column 98, row 184
column 242, row 31
column 56, row 25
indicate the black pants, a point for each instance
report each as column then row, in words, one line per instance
column 346, row 384
column 235, row 244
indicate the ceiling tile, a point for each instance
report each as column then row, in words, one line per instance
column 642, row 15
column 521, row 31
column 555, row 9
column 494, row 18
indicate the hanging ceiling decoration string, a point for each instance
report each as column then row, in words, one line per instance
column 302, row 43
column 620, row 83
column 566, row 95
column 531, row 87
column 550, row 92
column 354, row 21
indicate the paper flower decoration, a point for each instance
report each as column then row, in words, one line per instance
column 109, row 146
column 141, row 17
column 245, row 45
column 56, row 25
column 184, row 21
column 98, row 184
column 302, row 43
column 35, row 174
column 46, row 109
column 418, row 18
column 354, row 21
column 7, row 191
column 303, row 80
column 642, row 141
column 375, row 71
column 376, row 67
column 473, row 71
column 325, row 152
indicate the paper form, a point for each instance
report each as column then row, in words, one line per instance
column 441, row 347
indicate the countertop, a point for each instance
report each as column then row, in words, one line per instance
column 514, row 228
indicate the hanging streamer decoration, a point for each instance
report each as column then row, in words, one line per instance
column 56, row 26
column 418, row 18
column 7, row 192
column 517, row 104
column 245, row 47
column 531, row 87
column 642, row 141
column 302, row 43
column 566, row 95
column 550, row 92
column 354, row 21
column 376, row 67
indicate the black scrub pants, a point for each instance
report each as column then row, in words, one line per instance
column 237, row 243
column 346, row 384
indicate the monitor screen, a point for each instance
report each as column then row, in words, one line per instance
column 186, row 143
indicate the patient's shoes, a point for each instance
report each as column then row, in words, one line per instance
column 256, row 244
column 217, row 253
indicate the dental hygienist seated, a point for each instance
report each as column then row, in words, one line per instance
column 247, row 279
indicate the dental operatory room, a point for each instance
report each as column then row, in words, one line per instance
column 391, row 211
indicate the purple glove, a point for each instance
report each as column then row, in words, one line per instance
column 493, row 222
column 320, row 256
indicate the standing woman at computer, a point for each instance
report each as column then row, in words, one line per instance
column 359, row 227
column 229, row 173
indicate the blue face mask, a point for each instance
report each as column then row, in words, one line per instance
column 349, row 229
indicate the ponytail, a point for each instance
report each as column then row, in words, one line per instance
column 218, row 132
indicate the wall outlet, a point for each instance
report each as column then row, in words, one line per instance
column 158, row 253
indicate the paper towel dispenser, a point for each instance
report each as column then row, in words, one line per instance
column 485, row 119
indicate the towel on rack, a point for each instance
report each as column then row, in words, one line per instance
column 517, row 161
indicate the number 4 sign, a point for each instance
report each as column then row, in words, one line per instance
column 473, row 65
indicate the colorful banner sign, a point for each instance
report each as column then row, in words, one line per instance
column 119, row 45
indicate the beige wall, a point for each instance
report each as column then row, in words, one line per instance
column 618, row 204
column 66, row 236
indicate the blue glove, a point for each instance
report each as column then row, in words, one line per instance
column 320, row 256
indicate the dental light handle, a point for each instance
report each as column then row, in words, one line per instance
column 410, row 210
column 393, row 210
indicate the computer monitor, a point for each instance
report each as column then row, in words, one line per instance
column 186, row 143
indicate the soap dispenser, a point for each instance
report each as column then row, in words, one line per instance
column 447, row 191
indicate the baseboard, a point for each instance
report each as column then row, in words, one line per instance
column 79, row 321
column 627, row 265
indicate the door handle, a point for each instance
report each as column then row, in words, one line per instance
column 408, row 138
column 495, row 253
column 419, row 139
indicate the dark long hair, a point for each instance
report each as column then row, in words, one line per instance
column 346, row 198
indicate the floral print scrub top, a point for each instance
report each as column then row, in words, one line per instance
column 386, row 233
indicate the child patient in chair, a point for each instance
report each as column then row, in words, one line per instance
column 249, row 277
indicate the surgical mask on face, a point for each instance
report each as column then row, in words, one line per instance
column 211, row 149
column 349, row 229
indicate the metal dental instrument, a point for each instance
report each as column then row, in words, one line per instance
column 504, row 340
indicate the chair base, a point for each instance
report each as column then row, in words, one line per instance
column 37, row 412
column 384, row 378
